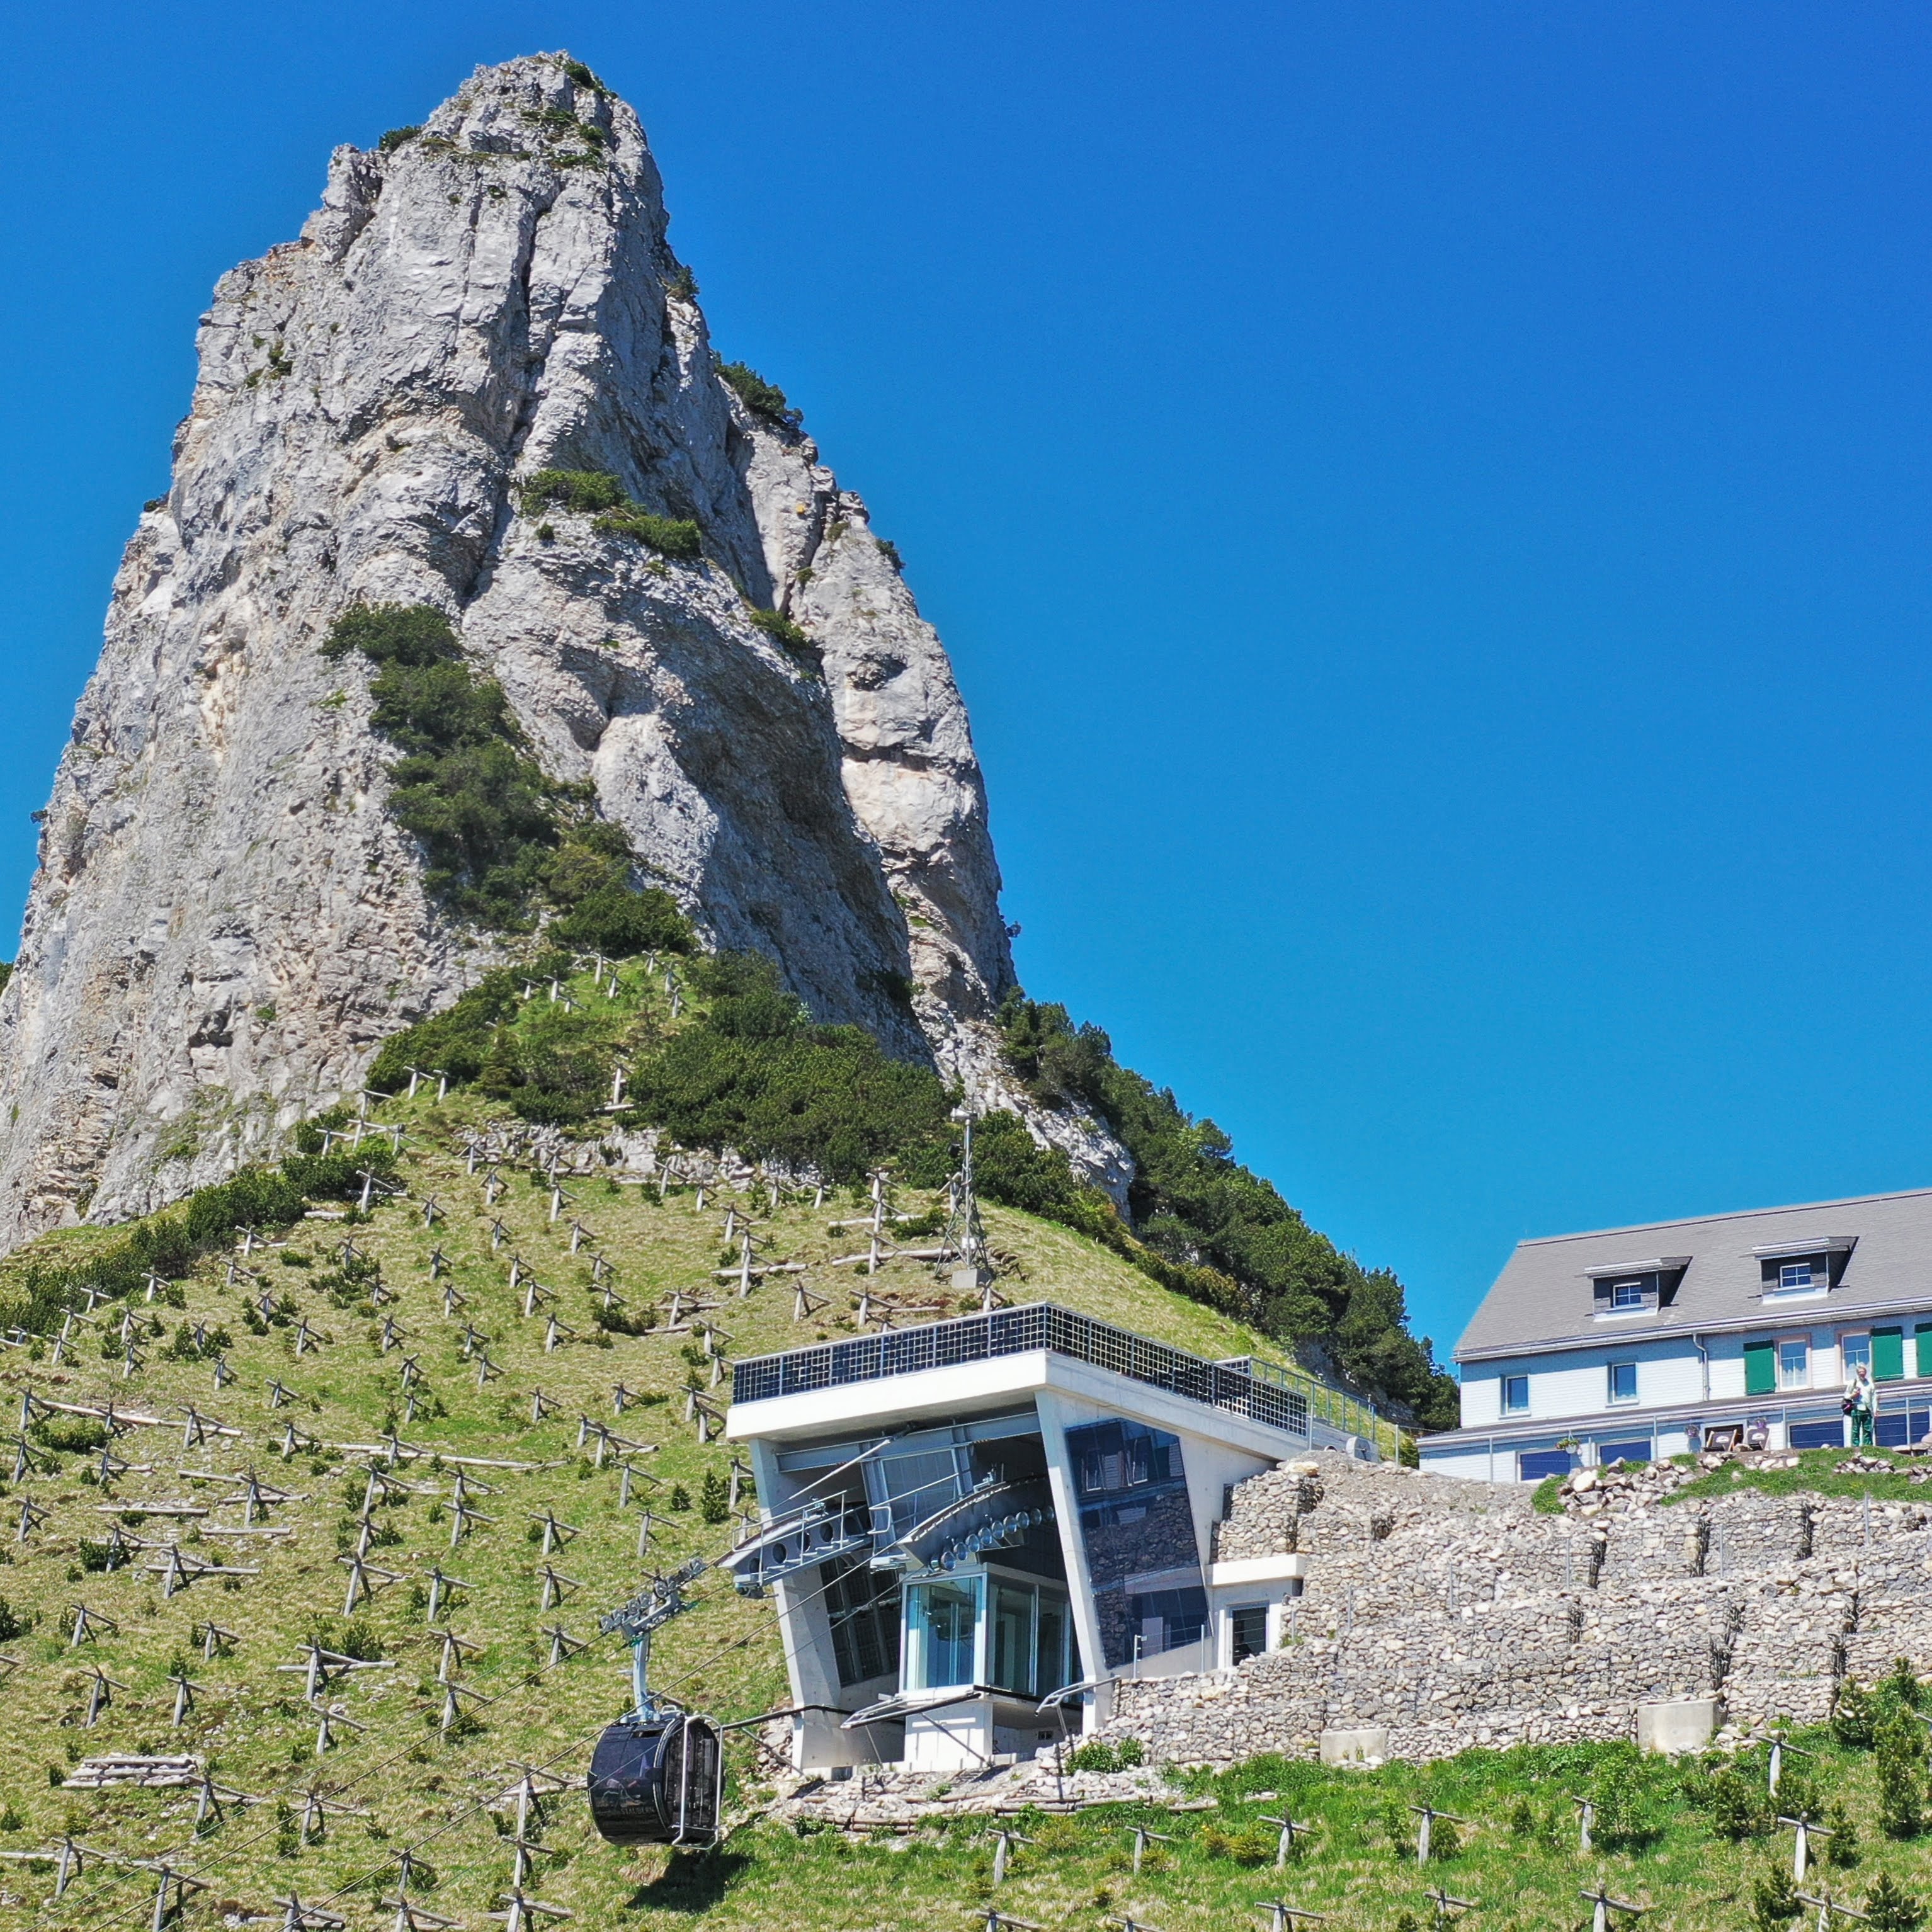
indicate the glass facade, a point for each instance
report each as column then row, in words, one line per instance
column 942, row 1632
column 1137, row 1528
column 1006, row 1632
column 862, row 1606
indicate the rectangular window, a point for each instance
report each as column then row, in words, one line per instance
column 942, row 1622
column 1794, row 1276
column 1852, row 1351
column 1626, row 1294
column 1012, row 1634
column 1819, row 1434
column 1247, row 1631
column 1053, row 1662
column 1623, row 1381
column 1794, row 1363
column 1515, row 1395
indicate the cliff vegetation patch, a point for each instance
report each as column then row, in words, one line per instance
column 504, row 841
column 597, row 494
column 765, row 400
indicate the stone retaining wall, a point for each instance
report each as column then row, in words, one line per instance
column 1456, row 1616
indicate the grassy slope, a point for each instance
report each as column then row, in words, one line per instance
column 250, row 1720
column 1816, row 1473
column 422, row 1790
column 1220, row 1869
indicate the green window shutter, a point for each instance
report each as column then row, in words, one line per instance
column 1888, row 1354
column 1760, row 1368
column 1923, row 1335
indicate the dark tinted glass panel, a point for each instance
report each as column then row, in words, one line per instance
column 1248, row 1630
column 863, row 1605
column 1138, row 1529
column 1818, row 1435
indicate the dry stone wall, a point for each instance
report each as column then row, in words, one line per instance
column 1455, row 1614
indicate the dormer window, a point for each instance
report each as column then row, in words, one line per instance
column 1812, row 1266
column 1636, row 1288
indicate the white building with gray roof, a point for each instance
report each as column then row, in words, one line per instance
column 1650, row 1341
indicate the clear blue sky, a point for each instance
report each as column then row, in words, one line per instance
column 1428, row 504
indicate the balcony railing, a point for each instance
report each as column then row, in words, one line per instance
column 1347, row 1415
column 1243, row 1387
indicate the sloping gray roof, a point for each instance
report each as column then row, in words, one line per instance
column 1544, row 1296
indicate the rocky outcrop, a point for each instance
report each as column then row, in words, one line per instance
column 225, row 921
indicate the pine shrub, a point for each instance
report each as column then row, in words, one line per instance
column 1900, row 1748
column 776, row 624
column 1841, row 1848
column 1774, row 1899
column 1892, row 1909
column 673, row 536
column 1853, row 1716
column 488, row 815
column 1737, row 1803
column 764, row 399
column 587, row 491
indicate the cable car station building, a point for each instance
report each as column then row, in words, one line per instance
column 962, row 1519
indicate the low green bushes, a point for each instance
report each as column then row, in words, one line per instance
column 487, row 813
column 587, row 491
column 597, row 493
column 39, row 1291
column 671, row 536
column 1101, row 1754
column 764, row 399
column 754, row 1072
column 504, row 841
column 616, row 919
column 776, row 624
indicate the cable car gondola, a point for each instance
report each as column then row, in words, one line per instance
column 657, row 1776
column 658, row 1779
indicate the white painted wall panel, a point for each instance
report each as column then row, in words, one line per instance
column 1482, row 1397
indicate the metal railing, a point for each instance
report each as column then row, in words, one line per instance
column 1345, row 1413
column 1269, row 1397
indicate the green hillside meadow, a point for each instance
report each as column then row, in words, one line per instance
column 411, row 1781
column 334, row 1344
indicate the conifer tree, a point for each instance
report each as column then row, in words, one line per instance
column 1889, row 1907
column 1900, row 1743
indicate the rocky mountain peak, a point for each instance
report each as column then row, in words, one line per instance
column 227, row 921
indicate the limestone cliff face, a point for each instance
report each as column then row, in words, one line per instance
column 226, row 921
